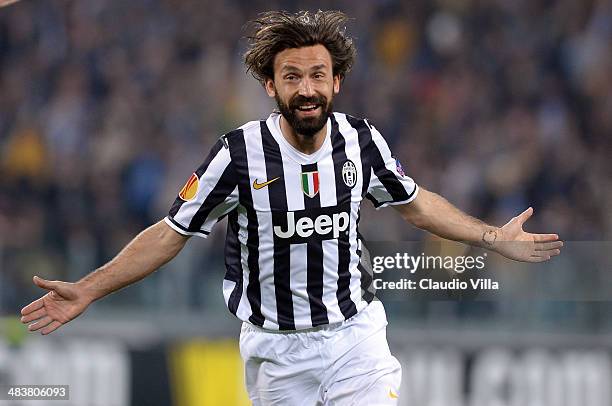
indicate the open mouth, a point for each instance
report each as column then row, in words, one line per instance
column 308, row 107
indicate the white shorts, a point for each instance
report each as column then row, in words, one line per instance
column 342, row 364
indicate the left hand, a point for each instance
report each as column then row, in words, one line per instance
column 515, row 243
column 64, row 302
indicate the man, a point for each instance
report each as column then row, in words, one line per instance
column 291, row 187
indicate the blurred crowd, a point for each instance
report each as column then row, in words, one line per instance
column 107, row 106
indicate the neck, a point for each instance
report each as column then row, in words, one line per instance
column 306, row 145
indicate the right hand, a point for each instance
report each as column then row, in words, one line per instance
column 64, row 302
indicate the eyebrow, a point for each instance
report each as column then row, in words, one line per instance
column 318, row 67
column 290, row 68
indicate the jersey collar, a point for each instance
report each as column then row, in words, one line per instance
column 273, row 123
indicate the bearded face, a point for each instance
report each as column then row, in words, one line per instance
column 306, row 115
column 304, row 86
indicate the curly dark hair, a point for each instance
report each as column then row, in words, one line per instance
column 275, row 31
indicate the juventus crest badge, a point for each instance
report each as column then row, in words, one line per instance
column 349, row 173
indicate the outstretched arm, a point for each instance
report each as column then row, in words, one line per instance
column 65, row 301
column 430, row 211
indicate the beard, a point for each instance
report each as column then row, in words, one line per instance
column 307, row 126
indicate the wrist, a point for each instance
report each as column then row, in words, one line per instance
column 88, row 291
column 491, row 237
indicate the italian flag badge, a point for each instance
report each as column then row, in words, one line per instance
column 310, row 183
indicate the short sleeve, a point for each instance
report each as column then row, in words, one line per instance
column 210, row 193
column 389, row 185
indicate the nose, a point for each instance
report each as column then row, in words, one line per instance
column 306, row 88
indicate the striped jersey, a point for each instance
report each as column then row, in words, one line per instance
column 293, row 253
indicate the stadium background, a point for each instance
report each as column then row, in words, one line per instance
column 107, row 106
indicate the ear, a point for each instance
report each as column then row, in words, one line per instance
column 270, row 89
column 337, row 84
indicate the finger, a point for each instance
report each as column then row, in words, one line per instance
column 544, row 246
column 45, row 321
column 524, row 216
column 7, row 2
column 51, row 328
column 35, row 315
column 45, row 284
column 35, row 305
column 548, row 253
column 537, row 258
column 545, row 237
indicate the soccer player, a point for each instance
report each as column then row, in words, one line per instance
column 291, row 187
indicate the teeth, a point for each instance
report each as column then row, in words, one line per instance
column 305, row 108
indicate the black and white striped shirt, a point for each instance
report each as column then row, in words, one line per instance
column 293, row 253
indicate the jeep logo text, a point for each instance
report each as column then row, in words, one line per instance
column 321, row 224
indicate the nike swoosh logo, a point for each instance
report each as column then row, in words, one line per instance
column 258, row 186
column 392, row 395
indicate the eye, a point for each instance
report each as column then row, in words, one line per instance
column 291, row 77
column 319, row 75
